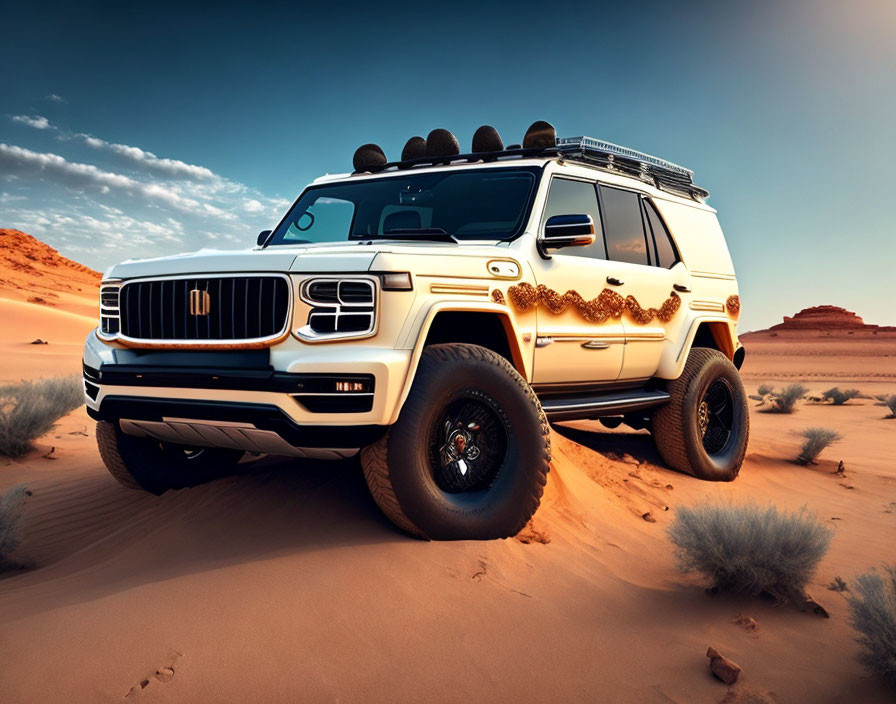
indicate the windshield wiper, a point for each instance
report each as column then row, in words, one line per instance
column 434, row 234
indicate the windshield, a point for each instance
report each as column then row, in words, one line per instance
column 480, row 204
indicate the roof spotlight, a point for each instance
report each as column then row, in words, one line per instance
column 368, row 157
column 540, row 135
column 487, row 139
column 441, row 143
column 414, row 148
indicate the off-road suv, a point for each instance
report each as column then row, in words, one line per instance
column 434, row 314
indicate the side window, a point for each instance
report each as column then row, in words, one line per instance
column 568, row 197
column 623, row 226
column 665, row 248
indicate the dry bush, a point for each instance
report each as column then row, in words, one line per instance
column 10, row 514
column 750, row 550
column 838, row 397
column 765, row 389
column 30, row 409
column 816, row 439
column 873, row 605
column 784, row 401
column 889, row 402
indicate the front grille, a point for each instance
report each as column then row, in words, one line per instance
column 215, row 309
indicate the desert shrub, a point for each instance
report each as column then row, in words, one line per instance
column 10, row 514
column 749, row 549
column 890, row 402
column 816, row 439
column 873, row 606
column 838, row 397
column 784, row 401
column 30, row 409
column 765, row 389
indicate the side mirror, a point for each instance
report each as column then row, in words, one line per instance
column 262, row 238
column 567, row 231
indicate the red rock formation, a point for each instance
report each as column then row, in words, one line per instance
column 829, row 319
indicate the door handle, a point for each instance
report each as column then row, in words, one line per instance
column 613, row 281
column 681, row 288
column 596, row 345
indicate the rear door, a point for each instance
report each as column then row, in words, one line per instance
column 647, row 271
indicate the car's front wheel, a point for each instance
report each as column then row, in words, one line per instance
column 156, row 467
column 469, row 455
column 704, row 427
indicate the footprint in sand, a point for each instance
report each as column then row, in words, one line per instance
column 162, row 673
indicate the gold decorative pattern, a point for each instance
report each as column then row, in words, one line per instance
column 608, row 304
column 733, row 304
column 498, row 296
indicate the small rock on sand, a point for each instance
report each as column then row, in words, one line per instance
column 38, row 341
column 722, row 667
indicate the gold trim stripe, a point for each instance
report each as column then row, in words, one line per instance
column 468, row 289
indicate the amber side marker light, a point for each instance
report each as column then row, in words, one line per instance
column 352, row 386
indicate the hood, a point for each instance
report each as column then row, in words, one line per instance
column 335, row 257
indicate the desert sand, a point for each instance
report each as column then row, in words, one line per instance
column 285, row 583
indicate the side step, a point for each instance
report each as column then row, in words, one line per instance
column 595, row 406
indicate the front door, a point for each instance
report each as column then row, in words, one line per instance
column 579, row 339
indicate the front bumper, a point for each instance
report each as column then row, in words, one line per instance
column 281, row 400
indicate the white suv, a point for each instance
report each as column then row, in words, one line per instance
column 435, row 314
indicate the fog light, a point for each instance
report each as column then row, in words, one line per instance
column 397, row 281
column 351, row 386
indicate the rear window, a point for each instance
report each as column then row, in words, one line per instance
column 623, row 226
column 667, row 255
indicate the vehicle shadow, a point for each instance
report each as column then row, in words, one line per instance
column 613, row 444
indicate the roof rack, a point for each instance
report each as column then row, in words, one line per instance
column 595, row 152
column 663, row 174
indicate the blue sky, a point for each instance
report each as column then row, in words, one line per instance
column 137, row 131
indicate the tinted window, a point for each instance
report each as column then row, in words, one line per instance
column 489, row 204
column 665, row 248
column 576, row 198
column 623, row 226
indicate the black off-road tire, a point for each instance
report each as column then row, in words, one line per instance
column 399, row 467
column 677, row 426
column 149, row 465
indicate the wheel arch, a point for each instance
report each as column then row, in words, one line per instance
column 486, row 324
column 713, row 333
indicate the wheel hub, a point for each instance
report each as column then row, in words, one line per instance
column 459, row 448
column 468, row 444
column 715, row 416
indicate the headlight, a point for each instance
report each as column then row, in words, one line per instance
column 110, row 320
column 340, row 307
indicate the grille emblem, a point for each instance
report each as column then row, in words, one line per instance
column 200, row 302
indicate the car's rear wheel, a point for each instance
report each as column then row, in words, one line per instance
column 704, row 428
column 469, row 455
column 156, row 467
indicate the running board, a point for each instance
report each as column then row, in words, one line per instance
column 570, row 408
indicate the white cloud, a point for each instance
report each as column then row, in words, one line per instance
column 53, row 98
column 18, row 161
column 38, row 122
column 253, row 206
column 168, row 168
column 9, row 198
